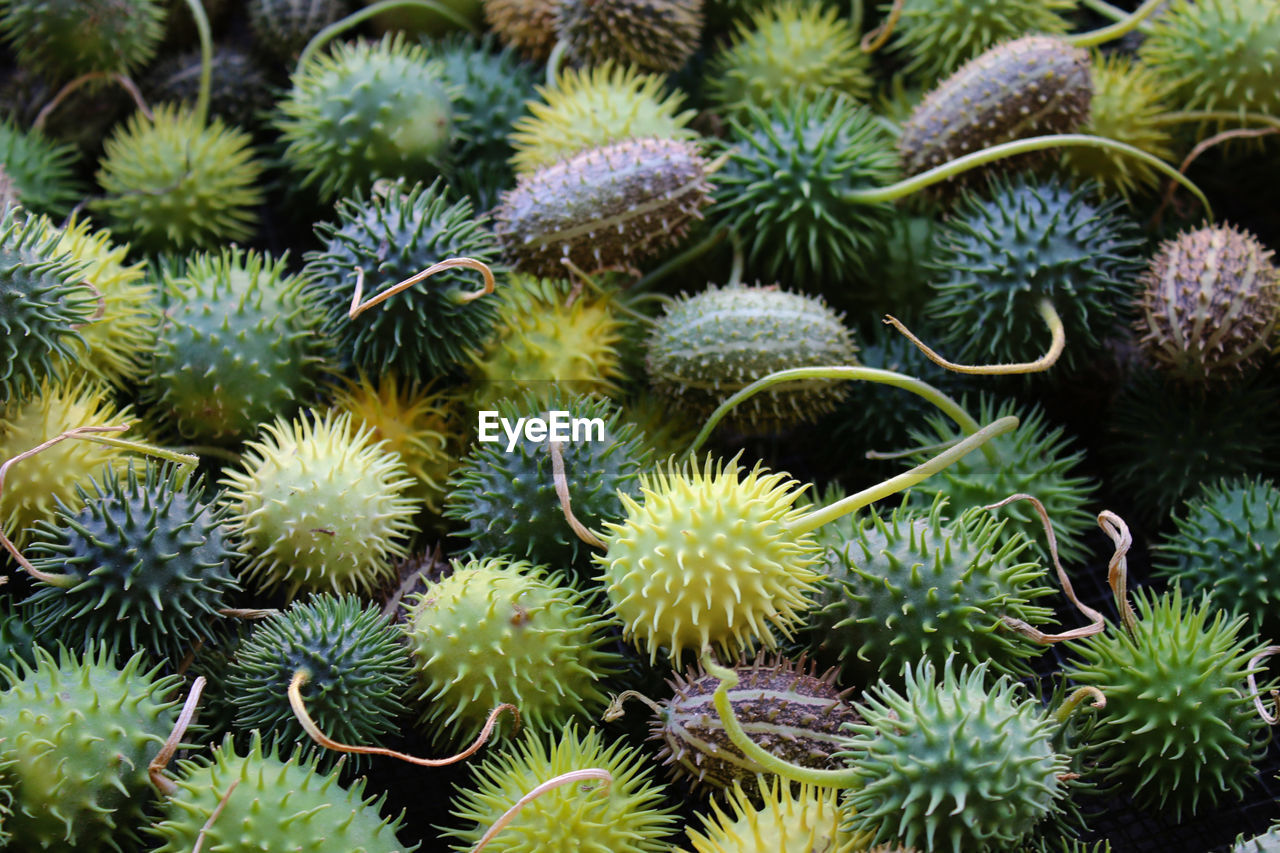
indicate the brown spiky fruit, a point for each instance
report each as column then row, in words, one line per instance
column 655, row 35
column 527, row 26
column 1209, row 304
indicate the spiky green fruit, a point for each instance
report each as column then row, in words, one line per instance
column 706, row 557
column 42, row 304
column 365, row 111
column 1218, row 54
column 356, row 665
column 948, row 763
column 275, row 805
column 38, row 170
column 786, row 184
column 924, row 587
column 497, row 631
column 1210, row 300
column 1001, row 254
column 506, row 496
column 613, row 206
column 790, row 52
column 76, row 734
column 426, row 329
column 593, row 107
column 716, row 342
column 17, row 639
column 175, row 182
column 785, row 818
column 654, row 35
column 67, row 38
column 239, row 94
column 1035, row 459
column 143, row 563
column 318, row 505
column 1179, row 730
column 627, row 816
column 282, row 28
column 236, row 344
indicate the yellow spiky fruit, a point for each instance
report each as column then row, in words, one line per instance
column 706, row 558
column 806, row 818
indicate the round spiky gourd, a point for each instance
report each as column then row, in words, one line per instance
column 67, row 38
column 921, row 587
column 527, row 25
column 365, row 111
column 789, row 818
column 1000, row 255
column 1030, row 86
column 593, row 107
column 42, row 303
column 498, row 631
column 1218, row 54
column 318, row 505
column 1209, row 303
column 627, row 816
column 282, row 28
column 785, row 185
column 716, row 342
column 938, row 36
column 34, row 486
column 239, row 94
column 608, row 207
column 507, row 497
column 545, row 337
column 235, row 345
column 791, row 51
column 950, row 764
column 76, row 734
column 426, row 329
column 1226, row 543
column 422, row 425
column 705, row 557
column 144, row 563
column 1180, row 729
column 1128, row 101
column 176, row 182
column 39, row 170
column 1034, row 459
column 356, row 666
column 654, row 35
column 275, row 805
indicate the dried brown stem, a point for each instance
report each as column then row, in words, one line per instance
column 1268, row 717
column 357, row 307
column 555, row 782
column 124, row 82
column 213, row 816
column 562, row 492
column 1118, row 567
column 158, row 764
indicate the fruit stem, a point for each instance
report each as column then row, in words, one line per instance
column 735, row 271
column 856, row 14
column 213, row 816
column 948, row 406
column 615, row 711
column 302, row 676
column 691, row 254
column 206, row 59
column 907, row 479
column 551, row 784
column 1215, row 115
column 357, row 307
column 753, row 751
column 1118, row 567
column 974, row 159
column 1114, row 31
column 1051, row 319
column 874, row 40
column 554, row 61
column 155, row 770
column 323, row 37
column 561, row 481
column 1072, row 702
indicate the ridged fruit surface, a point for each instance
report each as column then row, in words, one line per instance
column 654, row 35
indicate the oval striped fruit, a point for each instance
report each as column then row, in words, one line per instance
column 612, row 206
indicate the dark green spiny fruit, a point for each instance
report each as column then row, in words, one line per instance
column 365, row 111
column 1003, row 252
column 656, row 35
column 239, row 90
column 17, row 639
column 1209, row 303
column 39, row 171
column 614, row 206
column 236, row 345
column 506, row 496
column 923, row 587
column 951, row 764
column 144, row 563
column 711, row 344
column 785, row 189
column 357, row 671
column 1179, row 730
column 76, row 734
column 1226, row 544
column 275, row 805
column 427, row 329
column 282, row 28
column 1027, row 87
column 67, row 38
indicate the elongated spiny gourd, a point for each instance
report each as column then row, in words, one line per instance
column 654, row 35
column 609, row 207
column 1210, row 300
column 38, row 169
column 780, row 817
column 715, row 342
